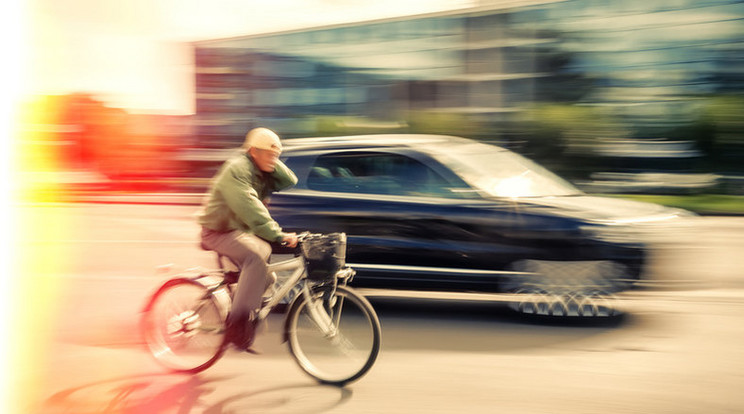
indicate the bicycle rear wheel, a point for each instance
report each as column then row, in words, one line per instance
column 334, row 337
column 183, row 326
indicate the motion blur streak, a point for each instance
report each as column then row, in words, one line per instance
column 45, row 155
column 37, row 258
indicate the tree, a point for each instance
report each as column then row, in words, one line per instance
column 721, row 131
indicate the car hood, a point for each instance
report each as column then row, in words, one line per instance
column 605, row 209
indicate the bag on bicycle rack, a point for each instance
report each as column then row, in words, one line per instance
column 325, row 255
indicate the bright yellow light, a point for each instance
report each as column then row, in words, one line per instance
column 29, row 296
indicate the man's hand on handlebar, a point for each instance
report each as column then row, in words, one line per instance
column 290, row 240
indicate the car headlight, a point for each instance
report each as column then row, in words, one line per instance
column 639, row 229
column 612, row 233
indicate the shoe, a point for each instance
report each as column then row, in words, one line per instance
column 240, row 331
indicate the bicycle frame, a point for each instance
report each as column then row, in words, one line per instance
column 315, row 308
column 296, row 264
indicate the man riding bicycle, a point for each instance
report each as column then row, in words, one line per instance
column 236, row 223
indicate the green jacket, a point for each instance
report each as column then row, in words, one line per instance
column 236, row 199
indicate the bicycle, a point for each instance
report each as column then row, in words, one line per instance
column 332, row 332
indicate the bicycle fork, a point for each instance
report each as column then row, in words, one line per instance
column 327, row 319
column 318, row 313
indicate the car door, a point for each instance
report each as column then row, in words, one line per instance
column 408, row 222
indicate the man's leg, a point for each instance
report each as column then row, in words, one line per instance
column 251, row 253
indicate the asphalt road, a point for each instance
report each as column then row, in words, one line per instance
column 87, row 269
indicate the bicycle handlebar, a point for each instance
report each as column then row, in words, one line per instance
column 302, row 236
column 305, row 234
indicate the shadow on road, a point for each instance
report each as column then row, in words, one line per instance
column 153, row 393
column 301, row 398
column 458, row 325
column 161, row 393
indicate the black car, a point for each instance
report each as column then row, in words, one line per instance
column 447, row 213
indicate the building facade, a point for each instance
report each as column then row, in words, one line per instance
column 647, row 62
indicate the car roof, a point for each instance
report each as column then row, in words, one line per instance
column 421, row 142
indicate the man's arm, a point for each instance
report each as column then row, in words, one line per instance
column 243, row 200
column 283, row 177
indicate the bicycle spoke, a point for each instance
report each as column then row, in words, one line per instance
column 183, row 326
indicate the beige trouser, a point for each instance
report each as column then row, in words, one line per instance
column 250, row 253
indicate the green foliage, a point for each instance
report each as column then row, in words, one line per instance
column 701, row 203
column 557, row 129
column 443, row 123
column 725, row 116
column 353, row 125
column 719, row 132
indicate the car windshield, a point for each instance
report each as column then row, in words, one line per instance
column 501, row 173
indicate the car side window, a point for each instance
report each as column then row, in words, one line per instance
column 376, row 173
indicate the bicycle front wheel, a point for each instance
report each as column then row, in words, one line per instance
column 183, row 326
column 334, row 336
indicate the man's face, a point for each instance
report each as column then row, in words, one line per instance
column 265, row 159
